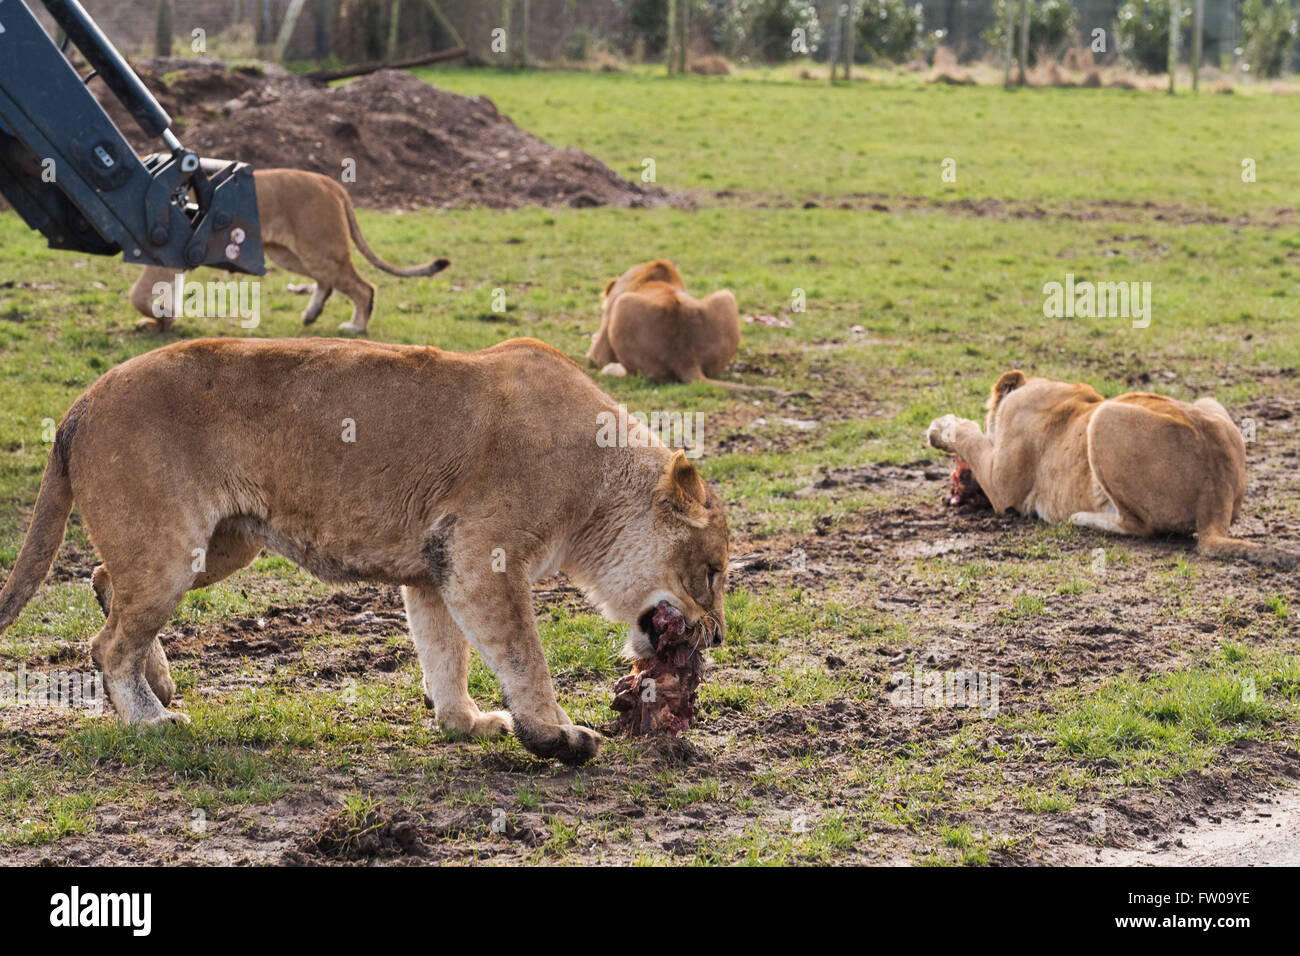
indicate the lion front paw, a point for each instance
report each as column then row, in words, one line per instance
column 493, row 723
column 942, row 432
column 471, row 721
column 571, row 744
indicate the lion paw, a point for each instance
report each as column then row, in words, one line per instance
column 569, row 744
column 474, row 722
column 942, row 432
column 492, row 723
column 162, row 718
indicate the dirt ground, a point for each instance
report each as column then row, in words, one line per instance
column 861, row 557
column 409, row 143
column 749, row 773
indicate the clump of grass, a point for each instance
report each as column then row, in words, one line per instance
column 1023, row 607
column 702, row 792
column 1171, row 714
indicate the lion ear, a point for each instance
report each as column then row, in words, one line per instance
column 681, row 489
column 1006, row 384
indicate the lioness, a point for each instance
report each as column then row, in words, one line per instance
column 1138, row 464
column 462, row 478
column 648, row 324
column 306, row 221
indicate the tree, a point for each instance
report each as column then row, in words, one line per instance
column 1142, row 32
column 162, row 29
column 889, row 30
column 1268, row 31
column 1051, row 25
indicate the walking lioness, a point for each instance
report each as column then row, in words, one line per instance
column 462, row 478
column 306, row 220
column 1138, row 464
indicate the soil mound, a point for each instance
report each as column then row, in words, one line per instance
column 409, row 143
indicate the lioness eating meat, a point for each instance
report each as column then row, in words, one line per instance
column 462, row 478
column 1138, row 464
column 649, row 325
column 306, row 221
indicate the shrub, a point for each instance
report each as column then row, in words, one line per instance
column 889, row 30
column 768, row 27
column 647, row 21
column 1051, row 26
column 1268, row 32
column 1142, row 33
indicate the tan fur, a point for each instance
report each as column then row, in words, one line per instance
column 470, row 476
column 650, row 325
column 307, row 220
column 1139, row 464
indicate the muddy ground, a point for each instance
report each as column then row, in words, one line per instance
column 621, row 809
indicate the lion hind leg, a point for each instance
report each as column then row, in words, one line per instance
column 128, row 651
column 1109, row 521
column 362, row 294
column 229, row 549
column 320, row 294
column 156, row 309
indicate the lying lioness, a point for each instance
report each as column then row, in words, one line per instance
column 1138, row 464
column 649, row 325
column 462, row 478
column 306, row 221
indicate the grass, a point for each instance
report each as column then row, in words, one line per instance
column 910, row 314
column 753, row 133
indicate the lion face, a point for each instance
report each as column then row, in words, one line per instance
column 676, row 552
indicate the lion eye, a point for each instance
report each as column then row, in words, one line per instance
column 713, row 576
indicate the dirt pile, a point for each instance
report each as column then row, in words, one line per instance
column 193, row 89
column 349, row 837
column 408, row 143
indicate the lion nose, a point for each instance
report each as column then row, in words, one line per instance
column 717, row 636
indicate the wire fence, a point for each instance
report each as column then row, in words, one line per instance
column 551, row 31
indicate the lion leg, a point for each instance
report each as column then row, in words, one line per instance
column 155, row 309
column 362, row 294
column 964, row 438
column 127, row 651
column 495, row 613
column 444, row 660
column 320, row 294
column 227, row 552
column 286, row 258
column 1112, row 521
column 156, row 669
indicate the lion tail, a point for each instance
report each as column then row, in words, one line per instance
column 1223, row 546
column 428, row 269
column 53, row 505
